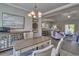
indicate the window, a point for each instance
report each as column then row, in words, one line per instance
column 69, row 29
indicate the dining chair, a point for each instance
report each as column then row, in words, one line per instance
column 55, row 51
column 43, row 52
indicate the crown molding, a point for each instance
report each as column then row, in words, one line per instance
column 48, row 12
column 16, row 6
column 60, row 8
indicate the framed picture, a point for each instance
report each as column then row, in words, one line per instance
column 12, row 21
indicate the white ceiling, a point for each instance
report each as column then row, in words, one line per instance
column 43, row 7
column 56, row 11
column 73, row 12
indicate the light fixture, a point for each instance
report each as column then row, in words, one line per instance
column 68, row 16
column 35, row 14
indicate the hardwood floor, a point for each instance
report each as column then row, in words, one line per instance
column 69, row 46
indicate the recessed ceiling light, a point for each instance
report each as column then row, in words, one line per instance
column 68, row 16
